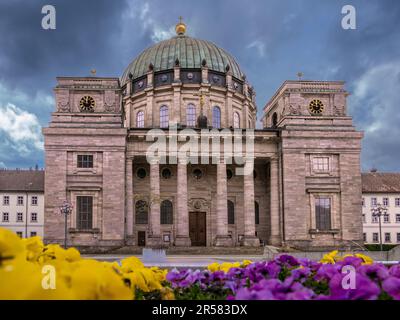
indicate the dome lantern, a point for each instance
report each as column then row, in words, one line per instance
column 180, row 27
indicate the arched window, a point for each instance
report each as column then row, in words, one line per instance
column 274, row 120
column 166, row 213
column 257, row 212
column 140, row 119
column 190, row 115
column 141, row 212
column 236, row 120
column 164, row 120
column 216, row 117
column 231, row 212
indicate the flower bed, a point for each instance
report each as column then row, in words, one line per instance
column 27, row 267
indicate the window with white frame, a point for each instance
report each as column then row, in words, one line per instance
column 6, row 216
column 398, row 237
column 19, row 234
column 140, row 119
column 385, row 202
column 6, row 200
column 236, row 120
column 85, row 161
column 386, row 218
column 321, row 164
column 190, row 115
column 375, row 237
column 374, row 218
column 374, row 202
column 387, row 237
column 397, row 218
column 34, row 200
column 33, row 233
column 34, row 217
column 216, row 117
column 397, row 202
column 20, row 201
column 20, row 217
column 164, row 118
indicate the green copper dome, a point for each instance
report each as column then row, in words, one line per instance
column 189, row 51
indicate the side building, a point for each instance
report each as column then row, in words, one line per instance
column 22, row 201
column 381, row 189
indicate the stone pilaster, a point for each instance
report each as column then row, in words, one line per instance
column 249, row 238
column 275, row 238
column 222, row 239
column 129, row 202
column 182, row 223
column 154, row 238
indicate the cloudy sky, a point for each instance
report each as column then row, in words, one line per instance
column 271, row 40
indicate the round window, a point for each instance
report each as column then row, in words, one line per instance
column 166, row 173
column 229, row 174
column 197, row 173
column 141, row 173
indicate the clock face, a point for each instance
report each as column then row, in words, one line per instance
column 316, row 107
column 87, row 104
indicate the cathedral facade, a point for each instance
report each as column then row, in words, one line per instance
column 303, row 189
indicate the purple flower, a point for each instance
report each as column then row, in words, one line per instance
column 395, row 270
column 247, row 294
column 374, row 271
column 365, row 289
column 287, row 260
column 327, row 272
column 392, row 286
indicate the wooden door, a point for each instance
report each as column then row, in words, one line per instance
column 141, row 238
column 197, row 228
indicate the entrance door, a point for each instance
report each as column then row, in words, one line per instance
column 141, row 238
column 197, row 228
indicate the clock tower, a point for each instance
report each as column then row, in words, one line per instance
column 319, row 163
column 85, row 147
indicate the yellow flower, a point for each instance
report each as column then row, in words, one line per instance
column 330, row 257
column 213, row 267
column 10, row 246
column 245, row 263
column 366, row 259
column 34, row 247
column 130, row 264
column 167, row 294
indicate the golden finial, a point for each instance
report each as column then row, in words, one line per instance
column 180, row 27
column 93, row 72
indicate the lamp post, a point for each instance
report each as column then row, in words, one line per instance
column 66, row 210
column 379, row 211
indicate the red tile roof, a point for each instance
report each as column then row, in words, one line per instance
column 380, row 182
column 22, row 180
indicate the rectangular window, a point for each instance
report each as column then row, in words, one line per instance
column 398, row 237
column 398, row 218
column 33, row 217
column 386, row 218
column 375, row 237
column 20, row 201
column 84, row 212
column 365, row 237
column 20, row 217
column 363, row 218
column 397, row 202
column 363, row 202
column 385, row 202
column 19, row 234
column 387, row 237
column 6, row 200
column 321, row 164
column 85, row 161
column 34, row 200
column 323, row 213
column 374, row 219
column 374, row 201
column 33, row 233
column 6, row 217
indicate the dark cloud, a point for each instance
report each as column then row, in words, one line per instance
column 271, row 40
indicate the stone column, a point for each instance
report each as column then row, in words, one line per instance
column 182, row 224
column 222, row 239
column 249, row 238
column 275, row 238
column 154, row 238
column 130, row 238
